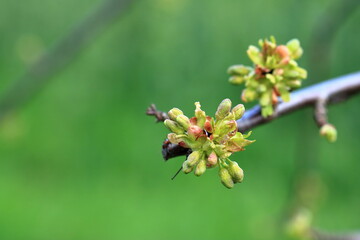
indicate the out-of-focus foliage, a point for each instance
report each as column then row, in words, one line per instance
column 82, row 161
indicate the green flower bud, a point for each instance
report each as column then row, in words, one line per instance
column 329, row 132
column 294, row 48
column 223, row 109
column 226, row 178
column 254, row 54
column 236, row 80
column 236, row 172
column 173, row 126
column 173, row 113
column 200, row 115
column 240, row 70
column 294, row 83
column 183, row 121
column 200, row 168
column 186, row 168
column 193, row 158
column 238, row 111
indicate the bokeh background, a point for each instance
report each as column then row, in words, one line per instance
column 79, row 159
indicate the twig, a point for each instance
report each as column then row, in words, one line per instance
column 321, row 235
column 333, row 90
column 61, row 55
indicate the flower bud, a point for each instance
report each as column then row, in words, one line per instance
column 294, row 48
column 294, row 83
column 183, row 121
column 223, row 109
column 200, row 115
column 236, row 80
column 254, row 54
column 240, row 70
column 208, row 126
column 329, row 132
column 173, row 113
column 200, row 168
column 173, row 126
column 238, row 111
column 186, row 168
column 282, row 51
column 236, row 172
column 193, row 158
column 226, row 178
column 212, row 159
column 195, row 131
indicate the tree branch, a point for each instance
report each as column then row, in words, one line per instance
column 330, row 92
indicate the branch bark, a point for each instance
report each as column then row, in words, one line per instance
column 332, row 91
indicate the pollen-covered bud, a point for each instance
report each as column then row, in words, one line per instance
column 173, row 126
column 226, row 178
column 240, row 70
column 329, row 132
column 212, row 159
column 236, row 172
column 183, row 121
column 173, row 113
column 238, row 111
column 223, row 109
column 200, row 115
column 200, row 168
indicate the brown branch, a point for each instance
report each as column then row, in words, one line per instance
column 333, row 91
column 321, row 235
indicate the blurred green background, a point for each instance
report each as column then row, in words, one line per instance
column 81, row 160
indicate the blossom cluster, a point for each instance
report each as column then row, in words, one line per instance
column 212, row 141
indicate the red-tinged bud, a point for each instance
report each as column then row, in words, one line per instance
column 279, row 71
column 282, row 51
column 193, row 121
column 195, row 131
column 285, row 61
column 208, row 126
column 274, row 98
column 212, row 159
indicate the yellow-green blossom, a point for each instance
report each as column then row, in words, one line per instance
column 274, row 74
column 212, row 141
